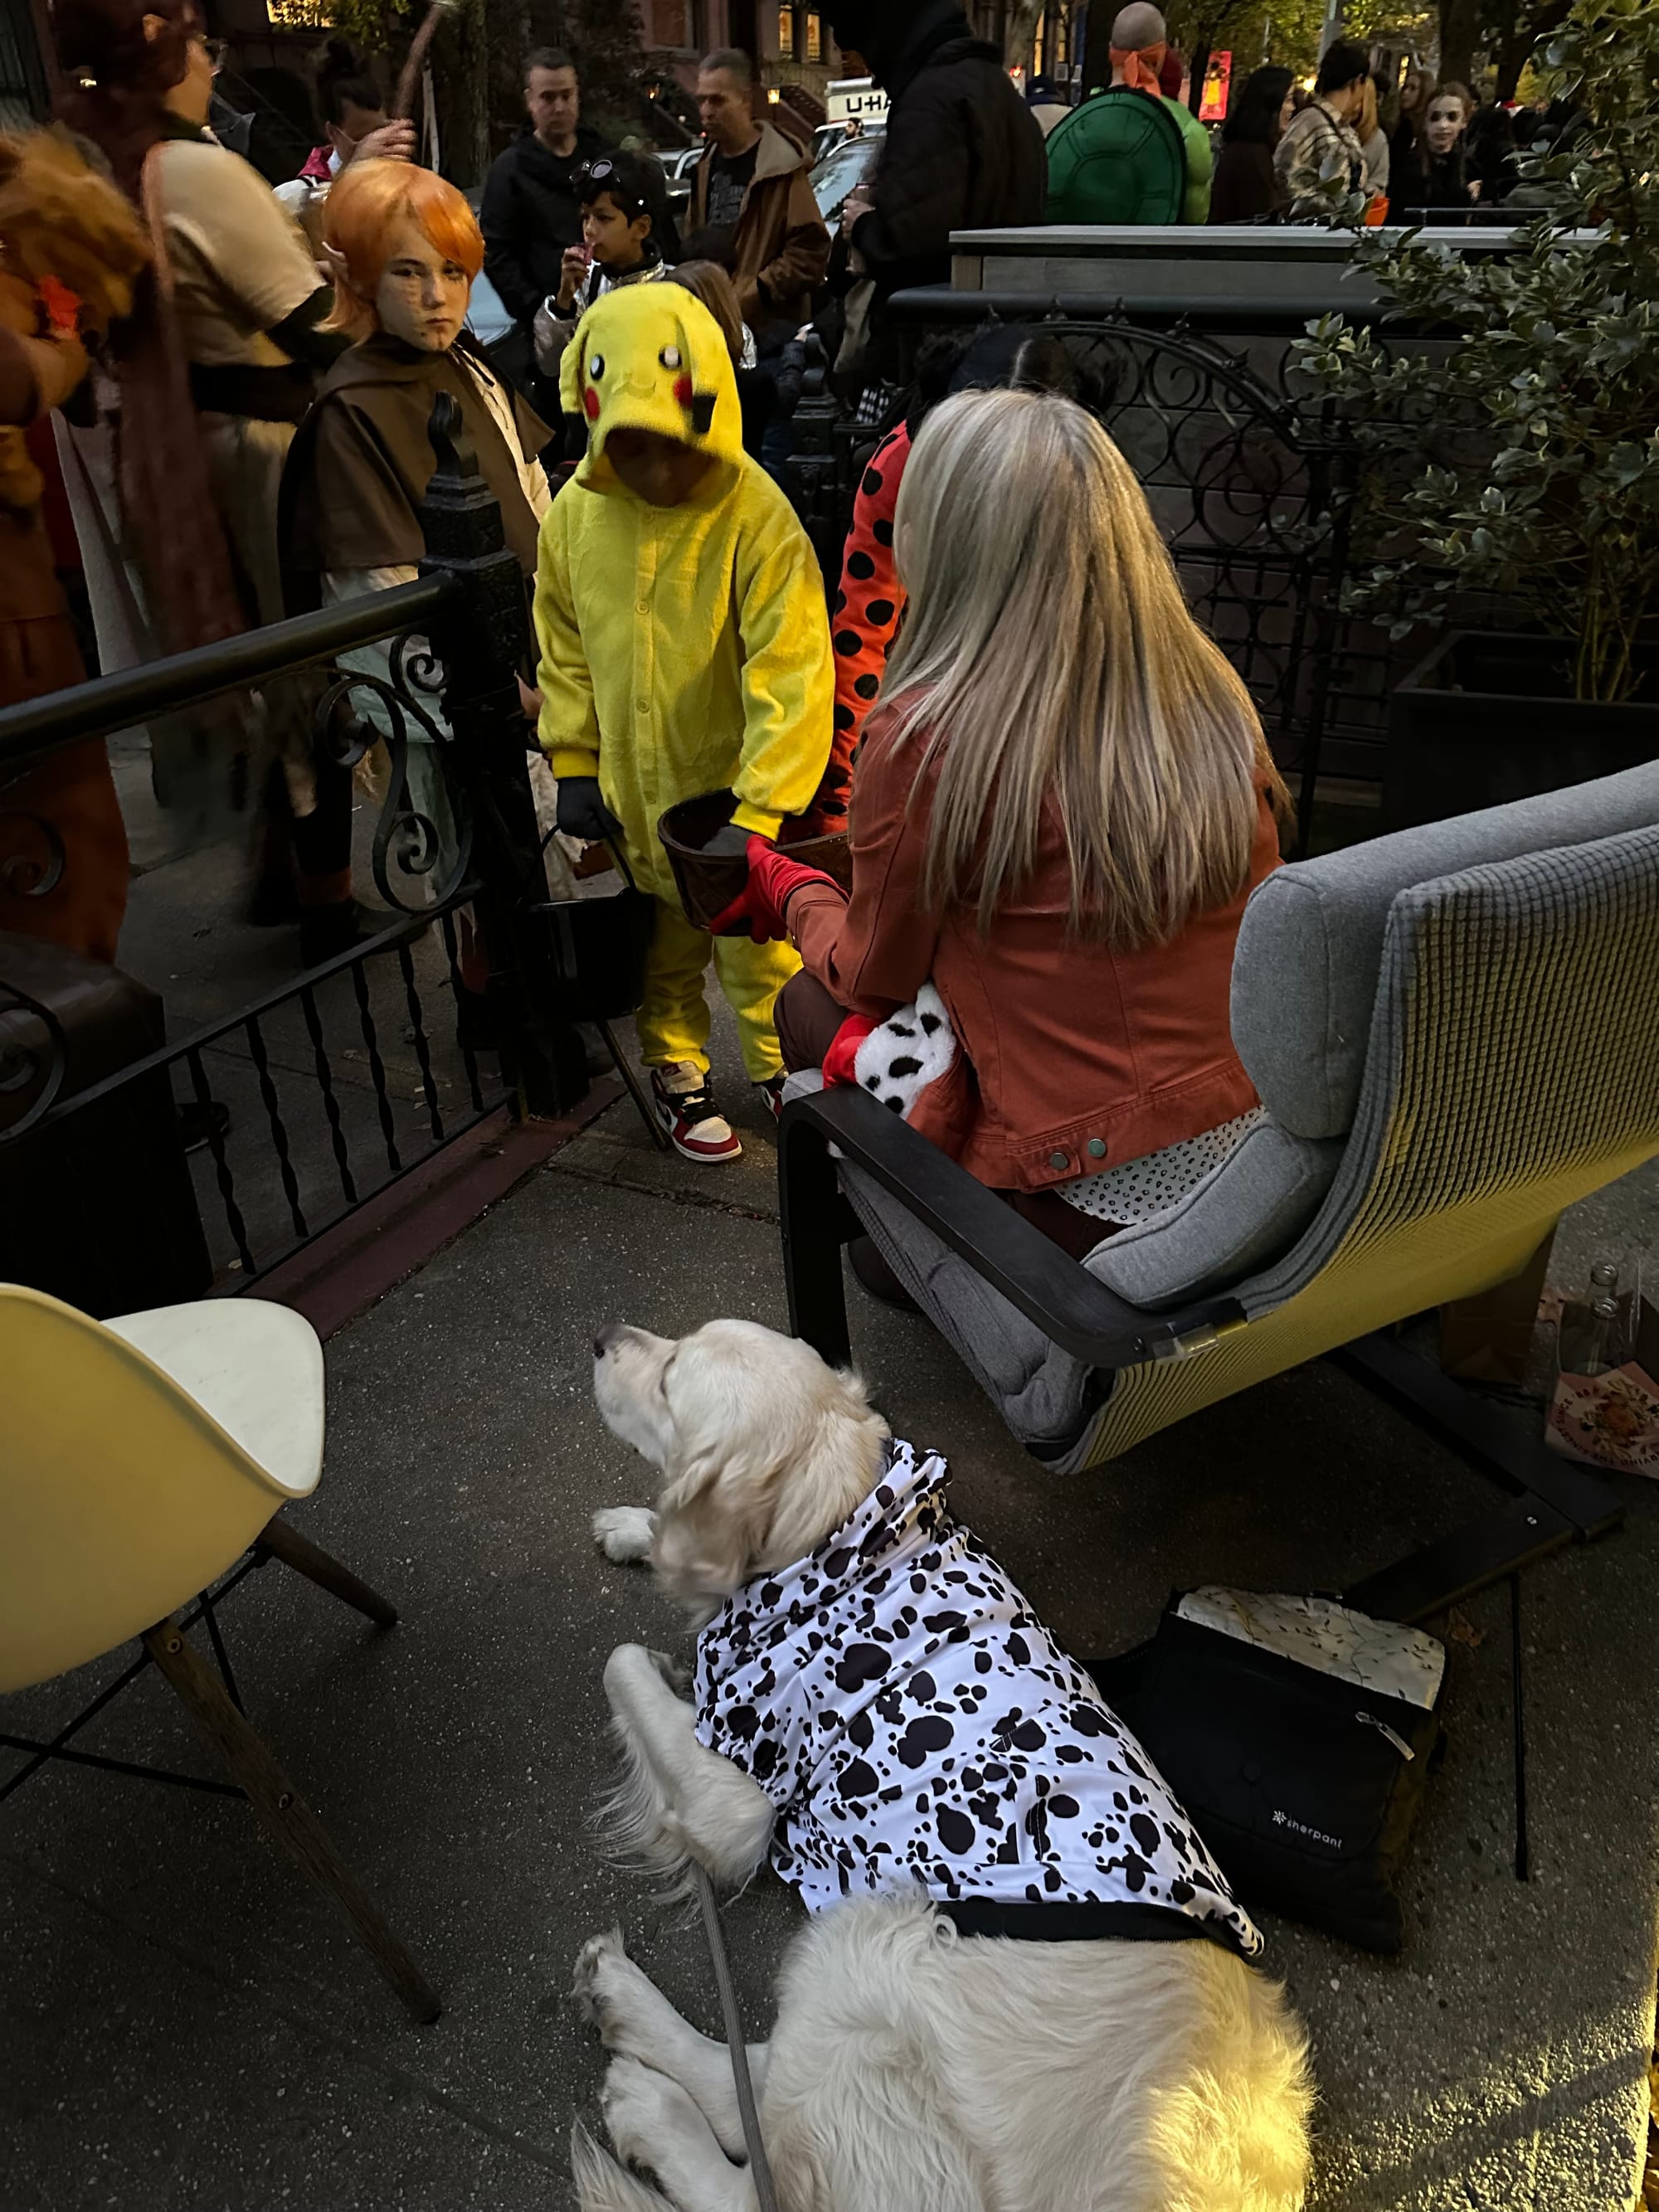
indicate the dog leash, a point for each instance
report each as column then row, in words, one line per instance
column 734, row 2041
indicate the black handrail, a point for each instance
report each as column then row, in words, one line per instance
column 185, row 679
column 1250, row 314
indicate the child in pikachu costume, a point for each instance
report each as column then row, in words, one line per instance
column 684, row 648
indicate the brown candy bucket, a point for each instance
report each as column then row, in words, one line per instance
column 707, row 886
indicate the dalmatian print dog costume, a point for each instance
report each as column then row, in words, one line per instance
column 913, row 1722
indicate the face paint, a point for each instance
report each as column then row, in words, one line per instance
column 422, row 297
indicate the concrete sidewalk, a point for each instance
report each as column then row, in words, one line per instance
column 182, row 2024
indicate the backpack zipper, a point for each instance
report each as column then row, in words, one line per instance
column 1382, row 1729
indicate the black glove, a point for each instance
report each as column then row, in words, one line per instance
column 730, row 843
column 582, row 812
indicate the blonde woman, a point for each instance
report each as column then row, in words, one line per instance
column 1063, row 802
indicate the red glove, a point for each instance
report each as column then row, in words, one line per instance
column 838, row 1061
column 773, row 876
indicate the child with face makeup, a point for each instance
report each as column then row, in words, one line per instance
column 1436, row 173
column 684, row 649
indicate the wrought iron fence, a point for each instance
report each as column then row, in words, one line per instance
column 1250, row 492
column 355, row 1071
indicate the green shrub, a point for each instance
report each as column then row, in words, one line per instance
column 1521, row 459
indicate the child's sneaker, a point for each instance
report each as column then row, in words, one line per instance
column 771, row 1093
column 685, row 1106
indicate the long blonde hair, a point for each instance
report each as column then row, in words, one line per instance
column 1047, row 655
column 1365, row 123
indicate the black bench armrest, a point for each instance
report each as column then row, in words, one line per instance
column 1067, row 1302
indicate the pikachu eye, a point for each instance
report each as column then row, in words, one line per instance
column 670, row 356
column 595, row 367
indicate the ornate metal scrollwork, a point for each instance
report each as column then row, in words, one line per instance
column 32, row 855
column 33, row 1060
column 415, row 666
column 411, row 839
column 1244, row 489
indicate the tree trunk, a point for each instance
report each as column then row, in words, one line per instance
column 1516, row 50
column 1460, row 26
column 1019, row 46
column 1198, row 65
column 1096, row 49
column 459, row 77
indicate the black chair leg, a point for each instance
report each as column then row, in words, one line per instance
column 635, row 1089
column 814, row 1214
column 283, row 1541
column 1555, row 1502
column 285, row 1813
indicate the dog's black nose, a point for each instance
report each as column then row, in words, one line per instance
column 606, row 1337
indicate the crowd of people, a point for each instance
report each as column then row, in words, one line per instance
column 1286, row 150
column 1060, row 795
column 1444, row 153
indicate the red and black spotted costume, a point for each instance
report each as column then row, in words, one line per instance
column 866, row 617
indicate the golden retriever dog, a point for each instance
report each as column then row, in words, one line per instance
column 929, row 1755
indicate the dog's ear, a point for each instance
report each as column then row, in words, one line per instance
column 751, row 1500
column 830, row 1473
column 711, row 1520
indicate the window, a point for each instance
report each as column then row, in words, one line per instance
column 787, row 34
column 814, row 38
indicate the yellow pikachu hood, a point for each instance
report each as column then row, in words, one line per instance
column 651, row 357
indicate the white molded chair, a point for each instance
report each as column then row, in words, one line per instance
column 141, row 1461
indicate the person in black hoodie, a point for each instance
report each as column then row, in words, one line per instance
column 531, row 213
column 963, row 150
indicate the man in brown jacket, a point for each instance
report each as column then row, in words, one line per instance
column 751, row 202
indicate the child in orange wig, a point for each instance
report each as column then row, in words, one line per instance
column 404, row 248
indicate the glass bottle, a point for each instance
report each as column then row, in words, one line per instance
column 1596, row 1330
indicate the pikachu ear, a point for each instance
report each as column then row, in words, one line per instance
column 705, row 349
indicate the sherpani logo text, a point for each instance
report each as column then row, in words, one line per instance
column 1314, row 1835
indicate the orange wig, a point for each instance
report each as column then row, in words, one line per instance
column 363, row 207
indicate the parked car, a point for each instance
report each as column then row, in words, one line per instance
column 678, row 164
column 849, row 162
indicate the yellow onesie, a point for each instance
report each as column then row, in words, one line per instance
column 683, row 649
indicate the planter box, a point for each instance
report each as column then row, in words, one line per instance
column 1487, row 719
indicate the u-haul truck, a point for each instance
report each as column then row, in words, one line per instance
column 855, row 100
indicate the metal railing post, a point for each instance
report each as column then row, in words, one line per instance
column 481, row 639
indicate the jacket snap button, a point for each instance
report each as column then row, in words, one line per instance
column 1096, row 1148
column 1057, row 1159
column 644, row 706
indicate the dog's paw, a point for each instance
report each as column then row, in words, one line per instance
column 596, row 1955
column 678, row 1677
column 625, row 1533
column 644, row 2113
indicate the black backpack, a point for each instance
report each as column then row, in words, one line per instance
column 1305, row 1783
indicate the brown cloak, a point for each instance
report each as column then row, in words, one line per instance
column 362, row 460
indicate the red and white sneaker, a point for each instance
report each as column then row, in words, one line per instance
column 685, row 1106
column 771, row 1093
